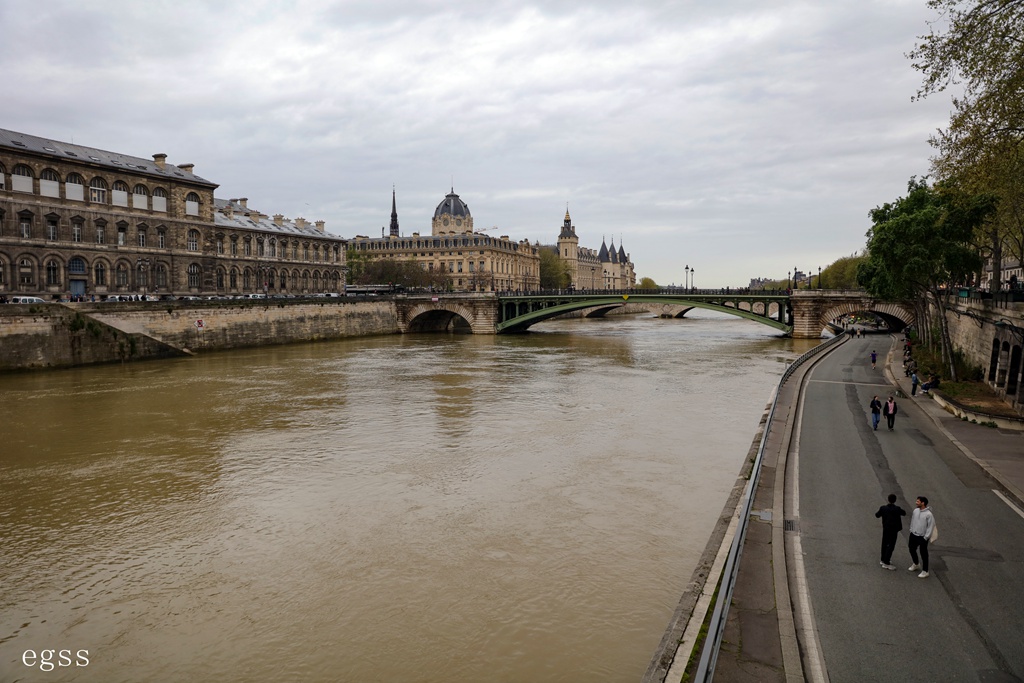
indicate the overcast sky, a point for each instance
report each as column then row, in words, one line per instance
column 739, row 137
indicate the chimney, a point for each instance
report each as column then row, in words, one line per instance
column 160, row 160
column 278, row 219
column 300, row 222
column 320, row 226
column 187, row 168
column 229, row 210
column 243, row 201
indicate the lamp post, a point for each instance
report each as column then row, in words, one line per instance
column 692, row 271
column 142, row 266
column 819, row 277
column 686, row 278
column 789, row 279
column 796, row 283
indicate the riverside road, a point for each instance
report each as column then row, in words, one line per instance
column 965, row 622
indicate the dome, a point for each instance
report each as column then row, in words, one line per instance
column 453, row 206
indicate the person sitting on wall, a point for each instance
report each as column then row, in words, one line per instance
column 933, row 382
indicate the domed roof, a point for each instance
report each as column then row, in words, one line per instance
column 453, row 206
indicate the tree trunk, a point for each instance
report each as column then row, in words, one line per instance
column 947, row 345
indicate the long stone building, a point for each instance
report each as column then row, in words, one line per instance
column 471, row 261
column 81, row 221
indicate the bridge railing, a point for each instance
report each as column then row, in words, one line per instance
column 678, row 291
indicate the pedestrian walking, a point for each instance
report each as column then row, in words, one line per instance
column 922, row 524
column 891, row 527
column 876, row 412
column 874, row 357
column 889, row 409
column 913, row 384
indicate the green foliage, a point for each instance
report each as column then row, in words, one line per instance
column 647, row 283
column 388, row 271
column 554, row 272
column 921, row 242
column 842, row 273
column 980, row 48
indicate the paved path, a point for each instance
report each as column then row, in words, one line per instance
column 965, row 622
column 854, row 620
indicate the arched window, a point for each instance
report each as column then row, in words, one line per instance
column 246, row 279
column 52, row 273
column 26, row 272
column 141, row 189
column 233, row 279
column 193, row 240
column 99, row 274
column 76, row 266
column 119, row 193
column 21, row 178
column 160, row 273
column 121, row 275
column 98, row 191
column 160, row 199
column 74, row 187
column 220, row 278
column 195, row 274
column 49, row 174
column 49, row 183
column 192, row 204
column 3, row 267
column 284, row 280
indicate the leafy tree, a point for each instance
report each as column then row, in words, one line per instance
column 842, row 273
column 647, row 283
column 392, row 271
column 554, row 272
column 920, row 245
column 980, row 48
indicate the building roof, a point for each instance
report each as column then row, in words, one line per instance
column 21, row 142
column 453, row 206
column 250, row 219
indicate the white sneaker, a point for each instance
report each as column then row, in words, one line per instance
column 890, row 567
column 914, row 568
column 923, row 575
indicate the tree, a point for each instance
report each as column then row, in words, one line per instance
column 842, row 273
column 920, row 245
column 554, row 272
column 981, row 49
column 647, row 283
column 391, row 271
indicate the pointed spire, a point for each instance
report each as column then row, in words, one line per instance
column 394, row 214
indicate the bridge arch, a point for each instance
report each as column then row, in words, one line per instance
column 449, row 316
column 896, row 316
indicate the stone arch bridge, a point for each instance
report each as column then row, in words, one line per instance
column 801, row 314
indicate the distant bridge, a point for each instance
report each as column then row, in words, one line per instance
column 801, row 314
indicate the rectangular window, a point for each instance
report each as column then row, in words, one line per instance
column 142, row 239
column 161, row 238
column 74, row 192
column 49, row 188
column 220, row 246
column 51, row 231
column 25, row 228
column 97, row 195
column 122, row 277
column 191, row 208
column 140, row 201
column 76, row 232
column 160, row 204
column 234, row 248
column 122, row 237
column 21, row 183
column 99, row 234
column 119, row 198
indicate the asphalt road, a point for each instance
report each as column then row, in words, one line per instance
column 965, row 622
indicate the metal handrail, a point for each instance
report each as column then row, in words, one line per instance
column 716, row 627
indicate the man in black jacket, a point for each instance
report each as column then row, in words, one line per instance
column 891, row 527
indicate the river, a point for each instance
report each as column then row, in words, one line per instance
column 401, row 508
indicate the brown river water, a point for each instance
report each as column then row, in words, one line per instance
column 402, row 508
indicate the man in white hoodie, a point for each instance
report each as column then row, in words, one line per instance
column 921, row 524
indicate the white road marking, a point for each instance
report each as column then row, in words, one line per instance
column 1009, row 502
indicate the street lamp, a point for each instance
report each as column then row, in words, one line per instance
column 142, row 266
column 686, row 279
column 789, row 279
column 819, row 277
column 796, row 283
column 692, row 271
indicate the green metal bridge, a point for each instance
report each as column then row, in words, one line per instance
column 520, row 310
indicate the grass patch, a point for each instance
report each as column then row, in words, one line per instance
column 978, row 397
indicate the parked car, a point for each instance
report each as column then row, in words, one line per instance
column 27, row 300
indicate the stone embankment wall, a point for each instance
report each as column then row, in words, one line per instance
column 972, row 330
column 52, row 335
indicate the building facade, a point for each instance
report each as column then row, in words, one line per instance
column 605, row 268
column 81, row 221
column 470, row 261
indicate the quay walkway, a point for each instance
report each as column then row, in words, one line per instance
column 811, row 601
